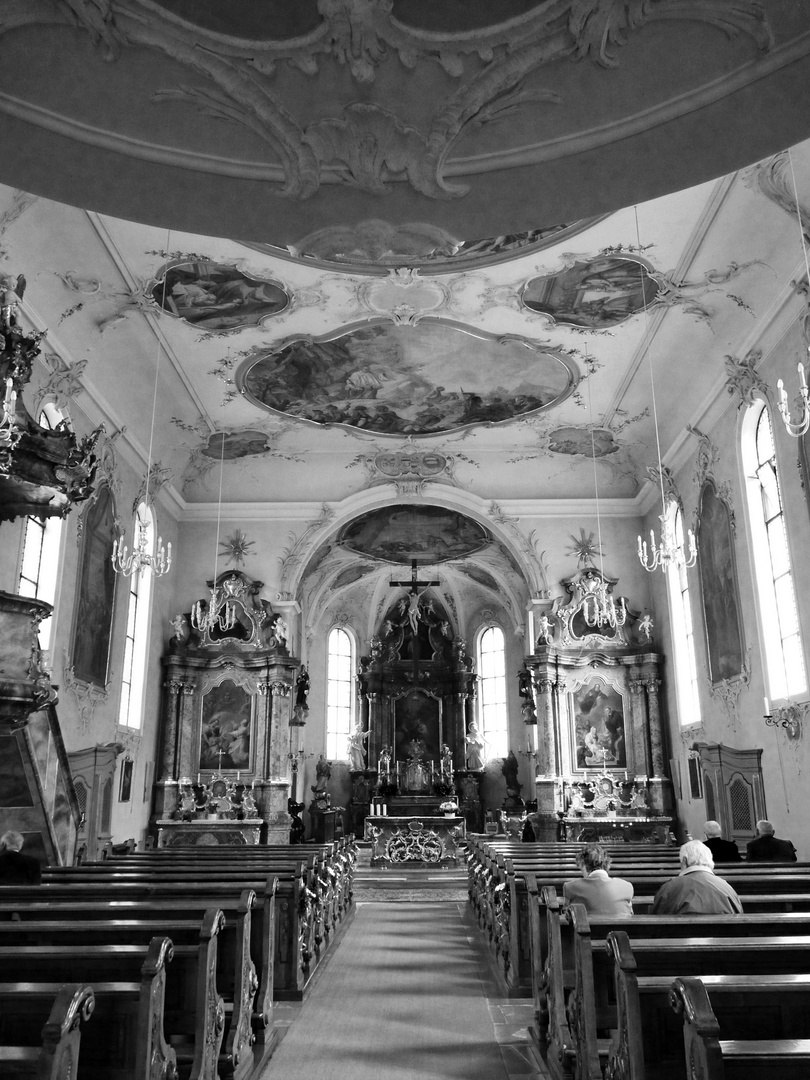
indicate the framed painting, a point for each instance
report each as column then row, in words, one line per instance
column 718, row 587
column 598, row 736
column 418, row 726
column 95, row 593
column 125, row 789
column 226, row 728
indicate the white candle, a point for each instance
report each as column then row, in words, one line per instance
column 238, row 774
column 385, row 810
column 767, row 706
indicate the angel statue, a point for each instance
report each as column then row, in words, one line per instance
column 357, row 752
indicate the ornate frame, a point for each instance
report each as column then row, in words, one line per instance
column 719, row 587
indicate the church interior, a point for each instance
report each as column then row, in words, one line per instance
column 267, row 577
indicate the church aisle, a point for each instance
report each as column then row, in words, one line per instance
column 405, row 997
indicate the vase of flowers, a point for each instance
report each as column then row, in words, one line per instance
column 449, row 808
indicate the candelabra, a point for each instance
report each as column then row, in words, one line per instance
column 799, row 427
column 788, row 717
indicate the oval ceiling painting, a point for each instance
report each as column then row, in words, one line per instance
column 428, row 534
column 216, row 296
column 601, row 292
column 408, row 380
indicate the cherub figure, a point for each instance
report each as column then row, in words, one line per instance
column 645, row 626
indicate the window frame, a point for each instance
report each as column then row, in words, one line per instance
column 496, row 738
column 336, row 739
column 134, row 665
column 778, row 679
column 682, row 626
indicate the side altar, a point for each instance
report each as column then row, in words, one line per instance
column 433, row 840
column 228, row 727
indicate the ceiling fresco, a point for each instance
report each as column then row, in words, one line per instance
column 409, row 380
column 429, row 534
column 216, row 296
column 589, row 442
column 600, row 292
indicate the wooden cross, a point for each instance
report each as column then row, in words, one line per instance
column 413, row 586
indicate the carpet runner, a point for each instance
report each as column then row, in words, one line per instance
column 401, row 998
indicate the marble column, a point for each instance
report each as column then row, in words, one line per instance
column 188, row 753
column 168, row 768
column 638, row 728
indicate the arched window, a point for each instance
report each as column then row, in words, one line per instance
column 683, row 637
column 781, row 637
column 39, row 565
column 492, row 713
column 130, row 709
column 339, row 694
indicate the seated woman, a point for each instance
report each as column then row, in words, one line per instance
column 600, row 893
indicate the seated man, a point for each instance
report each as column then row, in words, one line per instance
column 766, row 848
column 16, row 868
column 696, row 890
column 722, row 850
column 601, row 894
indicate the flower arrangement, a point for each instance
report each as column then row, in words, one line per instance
column 448, row 806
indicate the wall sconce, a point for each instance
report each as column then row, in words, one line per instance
column 789, row 717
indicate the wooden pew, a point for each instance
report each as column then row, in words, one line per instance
column 714, row 1058
column 126, row 1039
column 56, row 1057
column 681, row 945
column 236, row 978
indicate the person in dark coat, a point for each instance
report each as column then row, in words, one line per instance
column 16, row 868
column 722, row 850
column 696, row 890
column 766, row 848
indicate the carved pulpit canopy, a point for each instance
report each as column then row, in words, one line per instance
column 233, row 617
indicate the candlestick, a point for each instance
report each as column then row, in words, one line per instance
column 767, row 706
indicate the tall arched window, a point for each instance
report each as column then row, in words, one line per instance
column 339, row 694
column 781, row 637
column 683, row 637
column 492, row 712
column 39, row 565
column 130, row 709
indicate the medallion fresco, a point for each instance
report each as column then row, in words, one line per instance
column 429, row 534
column 216, row 296
column 231, row 445
column 413, row 380
column 589, row 442
column 598, row 293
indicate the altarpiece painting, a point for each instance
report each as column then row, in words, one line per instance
column 95, row 589
column 226, row 728
column 598, row 726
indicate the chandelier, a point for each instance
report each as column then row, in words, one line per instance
column 125, row 563
column 600, row 609
column 670, row 551
column 159, row 560
column 218, row 614
column 799, row 427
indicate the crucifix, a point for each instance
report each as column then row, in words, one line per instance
column 413, row 586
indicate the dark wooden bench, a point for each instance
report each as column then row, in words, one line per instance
column 125, row 1040
column 56, row 1055
column 714, row 1057
column 237, row 980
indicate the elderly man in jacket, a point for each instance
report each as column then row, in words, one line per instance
column 696, row 890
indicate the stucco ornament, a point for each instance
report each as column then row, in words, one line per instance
column 364, row 144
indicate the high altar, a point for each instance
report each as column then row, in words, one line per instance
column 591, row 695
column 227, row 721
column 416, row 690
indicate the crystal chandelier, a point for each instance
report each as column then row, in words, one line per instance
column 218, row 614
column 670, row 551
column 600, row 609
column 128, row 563
column 799, row 427
column 159, row 560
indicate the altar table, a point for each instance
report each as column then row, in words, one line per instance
column 420, row 840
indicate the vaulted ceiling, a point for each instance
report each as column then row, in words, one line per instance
column 329, row 232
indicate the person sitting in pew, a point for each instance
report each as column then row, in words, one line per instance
column 15, row 867
column 722, row 850
column 696, row 890
column 766, row 848
column 600, row 893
